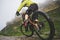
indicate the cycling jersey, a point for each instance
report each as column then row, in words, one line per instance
column 25, row 3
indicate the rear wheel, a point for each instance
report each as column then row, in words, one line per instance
column 27, row 31
column 47, row 31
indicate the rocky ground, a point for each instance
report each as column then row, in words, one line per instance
column 21, row 38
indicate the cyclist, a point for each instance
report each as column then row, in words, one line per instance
column 31, row 7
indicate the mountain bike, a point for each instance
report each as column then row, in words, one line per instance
column 46, row 26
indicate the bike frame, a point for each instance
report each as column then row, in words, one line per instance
column 29, row 20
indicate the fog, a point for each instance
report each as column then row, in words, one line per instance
column 8, row 9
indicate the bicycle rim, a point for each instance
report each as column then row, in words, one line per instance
column 27, row 33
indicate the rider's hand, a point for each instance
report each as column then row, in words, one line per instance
column 17, row 13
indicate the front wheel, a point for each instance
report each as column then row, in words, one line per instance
column 47, row 31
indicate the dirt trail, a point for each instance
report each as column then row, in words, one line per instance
column 21, row 38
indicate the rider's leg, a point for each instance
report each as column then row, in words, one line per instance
column 35, row 19
column 31, row 9
column 26, row 16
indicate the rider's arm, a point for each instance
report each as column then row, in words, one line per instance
column 21, row 5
